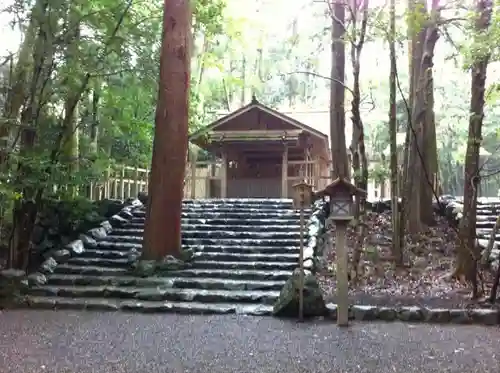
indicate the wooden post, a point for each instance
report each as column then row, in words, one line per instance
column 129, row 185
column 115, row 185
column 146, row 186
column 91, row 194
column 137, row 182
column 284, row 173
column 301, row 261
column 193, row 174
column 342, row 278
column 223, row 189
column 122, row 183
column 107, row 190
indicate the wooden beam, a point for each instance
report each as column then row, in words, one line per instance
column 223, row 188
column 284, row 173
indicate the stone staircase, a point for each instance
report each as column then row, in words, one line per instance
column 245, row 250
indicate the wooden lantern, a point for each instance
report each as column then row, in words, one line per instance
column 340, row 193
column 302, row 195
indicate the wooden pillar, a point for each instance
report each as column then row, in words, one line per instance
column 223, row 188
column 284, row 173
column 342, row 274
column 193, row 174
column 316, row 173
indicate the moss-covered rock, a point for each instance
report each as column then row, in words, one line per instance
column 287, row 304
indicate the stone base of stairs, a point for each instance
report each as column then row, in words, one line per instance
column 356, row 312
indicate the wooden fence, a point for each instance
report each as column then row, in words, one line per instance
column 120, row 183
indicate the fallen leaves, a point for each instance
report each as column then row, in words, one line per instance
column 429, row 259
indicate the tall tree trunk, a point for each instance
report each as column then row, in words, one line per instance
column 468, row 252
column 70, row 144
column 397, row 249
column 429, row 148
column 337, row 93
column 359, row 159
column 26, row 209
column 414, row 134
column 162, row 233
column 201, row 61
column 243, row 98
column 18, row 83
column 94, row 129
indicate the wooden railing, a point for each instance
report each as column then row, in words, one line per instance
column 205, row 180
column 121, row 182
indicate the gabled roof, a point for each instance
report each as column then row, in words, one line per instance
column 265, row 109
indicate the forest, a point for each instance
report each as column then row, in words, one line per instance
column 406, row 91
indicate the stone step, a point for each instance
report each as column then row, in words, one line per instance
column 234, row 215
column 118, row 246
column 251, row 274
column 485, row 224
column 169, row 282
column 228, row 233
column 99, row 261
column 484, row 218
column 242, row 241
column 484, row 242
column 158, row 294
column 40, row 302
column 209, row 264
column 230, row 210
column 217, row 247
column 245, row 249
column 247, row 257
column 487, row 235
column 235, row 274
column 106, row 253
column 244, row 201
column 139, row 222
column 214, row 227
column 90, row 270
column 129, row 242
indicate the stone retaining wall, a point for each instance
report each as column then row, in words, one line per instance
column 316, row 235
column 60, row 222
column 12, row 281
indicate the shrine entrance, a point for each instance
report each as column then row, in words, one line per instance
column 260, row 153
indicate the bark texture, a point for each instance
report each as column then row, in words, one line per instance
column 337, row 93
column 468, row 252
column 162, row 233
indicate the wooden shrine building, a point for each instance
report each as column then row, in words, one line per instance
column 260, row 153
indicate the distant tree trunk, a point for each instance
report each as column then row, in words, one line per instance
column 25, row 209
column 162, row 233
column 359, row 159
column 468, row 252
column 94, row 130
column 243, row 98
column 340, row 167
column 414, row 134
column 18, row 82
column 418, row 189
column 397, row 249
column 70, row 142
column 429, row 148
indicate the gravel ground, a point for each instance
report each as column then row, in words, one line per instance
column 87, row 342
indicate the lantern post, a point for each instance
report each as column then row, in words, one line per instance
column 302, row 197
column 340, row 193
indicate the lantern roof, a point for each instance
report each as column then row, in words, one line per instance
column 340, row 185
column 302, row 184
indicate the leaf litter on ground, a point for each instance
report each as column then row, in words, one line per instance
column 425, row 280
